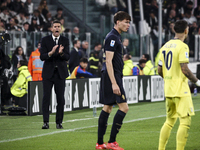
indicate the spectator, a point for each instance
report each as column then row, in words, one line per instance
column 149, row 68
column 43, row 8
column 25, row 27
column 21, row 18
column 75, row 34
column 197, row 13
column 17, row 6
column 80, row 71
column 29, row 6
column 75, row 55
column 83, row 49
column 34, row 27
column 4, row 15
column 40, row 19
column 153, row 6
column 128, row 65
column 13, row 25
column 174, row 7
column 20, row 86
column 48, row 18
column 189, row 18
column 59, row 14
column 16, row 57
column 169, row 32
column 188, row 7
column 2, row 26
column 192, row 32
column 62, row 21
column 125, row 43
column 170, row 18
column 35, row 65
column 115, row 7
column 152, row 19
column 95, row 60
column 138, row 69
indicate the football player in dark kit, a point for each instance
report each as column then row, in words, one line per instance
column 111, row 88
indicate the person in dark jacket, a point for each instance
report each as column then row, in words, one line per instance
column 75, row 56
column 54, row 52
column 95, row 60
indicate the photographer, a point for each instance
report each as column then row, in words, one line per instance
column 4, row 64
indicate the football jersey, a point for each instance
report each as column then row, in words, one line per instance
column 172, row 54
column 113, row 43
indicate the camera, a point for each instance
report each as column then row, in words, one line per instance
column 4, row 38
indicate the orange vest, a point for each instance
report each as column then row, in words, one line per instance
column 35, row 65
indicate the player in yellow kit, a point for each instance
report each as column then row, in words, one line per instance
column 172, row 66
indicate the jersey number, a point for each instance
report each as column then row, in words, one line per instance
column 168, row 62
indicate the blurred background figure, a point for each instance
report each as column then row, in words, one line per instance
column 16, row 57
column 125, row 44
column 35, row 65
column 75, row 34
column 80, row 71
column 95, row 60
column 75, row 55
column 149, row 68
column 138, row 69
column 128, row 65
column 83, row 49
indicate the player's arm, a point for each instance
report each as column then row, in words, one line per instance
column 110, row 70
column 160, row 72
column 186, row 71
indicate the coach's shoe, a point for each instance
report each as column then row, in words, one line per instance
column 114, row 146
column 45, row 125
column 101, row 146
column 59, row 126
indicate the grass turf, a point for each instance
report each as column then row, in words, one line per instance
column 140, row 130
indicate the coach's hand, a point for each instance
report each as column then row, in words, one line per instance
column 52, row 51
column 61, row 49
column 116, row 89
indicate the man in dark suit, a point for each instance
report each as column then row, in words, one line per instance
column 54, row 52
column 75, row 56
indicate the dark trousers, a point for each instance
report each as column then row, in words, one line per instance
column 59, row 87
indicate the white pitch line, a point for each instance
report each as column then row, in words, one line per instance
column 68, row 130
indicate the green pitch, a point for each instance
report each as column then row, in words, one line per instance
column 140, row 130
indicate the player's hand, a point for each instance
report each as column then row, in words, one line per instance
column 198, row 83
column 116, row 89
column 61, row 49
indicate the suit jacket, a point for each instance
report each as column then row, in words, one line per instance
column 56, row 59
column 74, row 60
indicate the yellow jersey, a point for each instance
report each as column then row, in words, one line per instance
column 172, row 54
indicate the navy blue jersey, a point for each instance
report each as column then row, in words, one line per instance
column 113, row 43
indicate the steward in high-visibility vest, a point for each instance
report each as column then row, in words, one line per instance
column 149, row 67
column 95, row 60
column 20, row 86
column 35, row 65
column 128, row 65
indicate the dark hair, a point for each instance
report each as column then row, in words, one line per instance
column 55, row 21
column 127, row 56
column 97, row 44
column 141, row 61
column 25, row 23
column 23, row 62
column 84, row 60
column 146, row 56
column 180, row 26
column 59, row 9
column 121, row 15
column 75, row 42
column 16, row 53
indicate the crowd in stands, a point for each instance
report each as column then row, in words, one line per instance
column 24, row 16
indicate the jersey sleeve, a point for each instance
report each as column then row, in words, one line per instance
column 184, row 54
column 111, row 43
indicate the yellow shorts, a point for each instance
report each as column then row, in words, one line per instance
column 179, row 107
